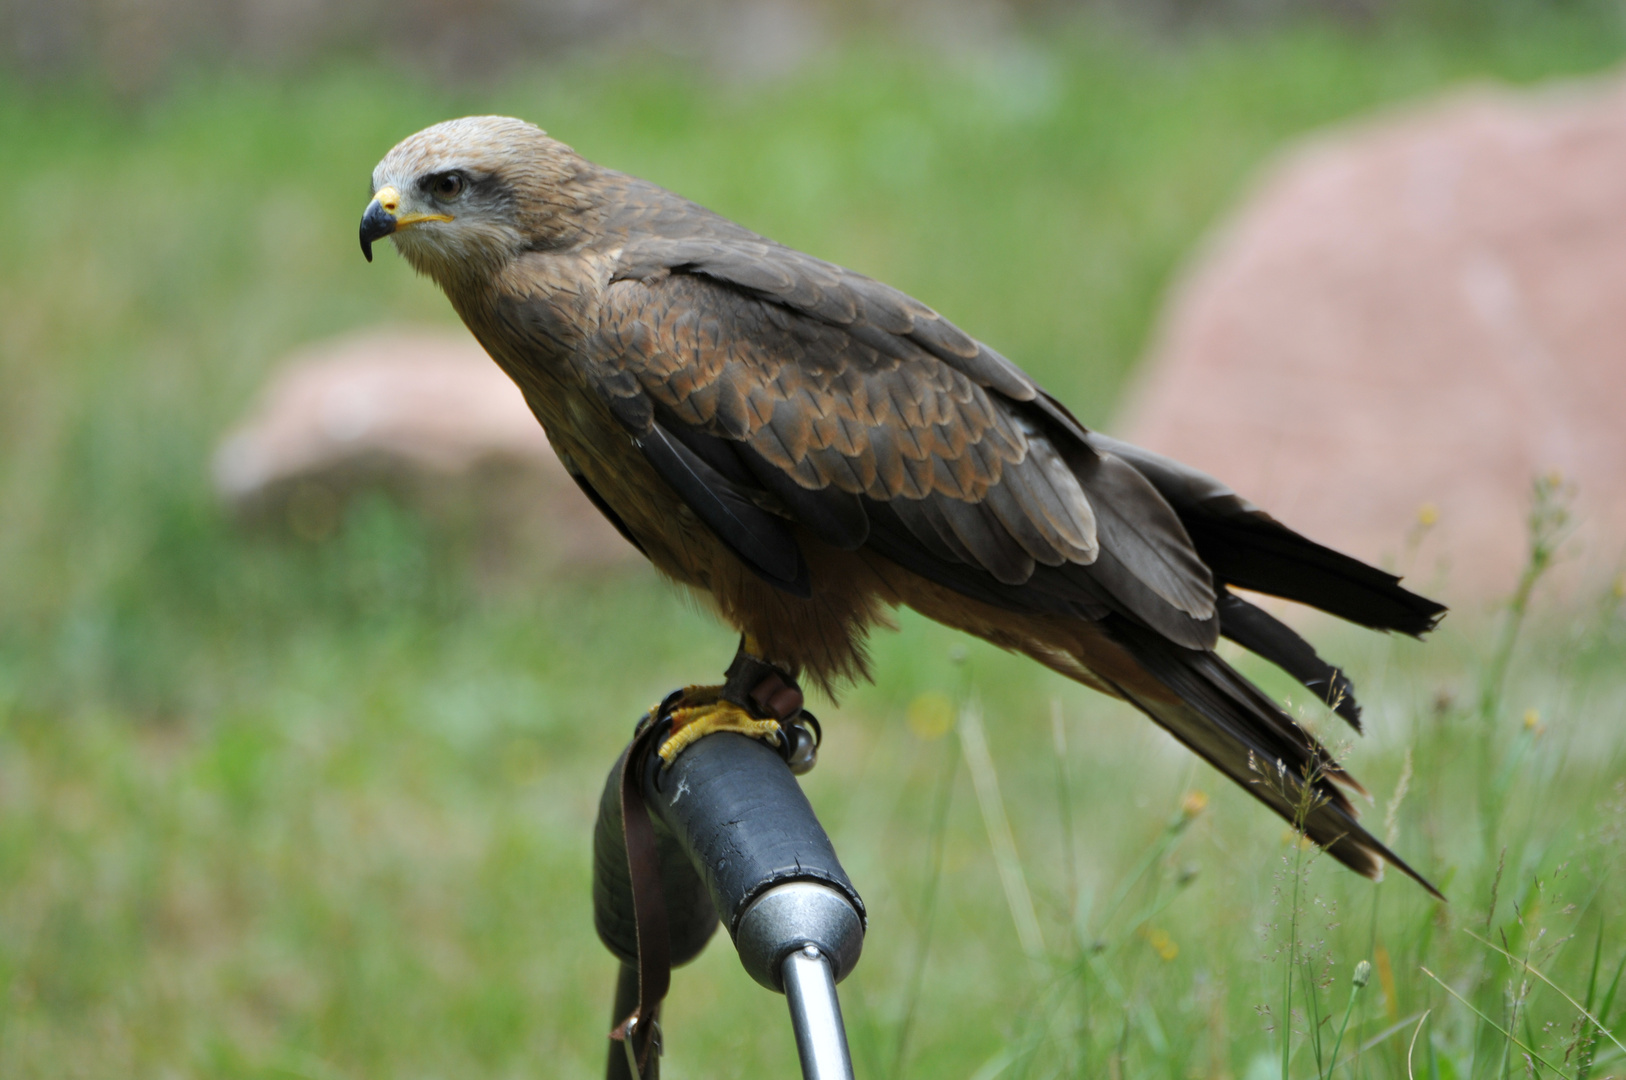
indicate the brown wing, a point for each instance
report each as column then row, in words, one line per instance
column 657, row 232
column 863, row 415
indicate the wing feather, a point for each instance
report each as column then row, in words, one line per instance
column 762, row 541
column 1139, row 528
column 994, row 549
column 926, row 528
column 1264, row 635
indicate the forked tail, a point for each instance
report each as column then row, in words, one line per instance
column 1239, row 730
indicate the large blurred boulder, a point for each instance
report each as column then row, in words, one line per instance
column 426, row 415
column 1407, row 322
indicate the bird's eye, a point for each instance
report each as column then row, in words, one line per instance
column 447, row 186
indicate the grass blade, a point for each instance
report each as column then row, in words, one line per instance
column 974, row 744
column 1609, row 999
column 1506, row 1034
column 928, row 909
column 1527, row 966
column 1591, row 1058
column 1409, row 1074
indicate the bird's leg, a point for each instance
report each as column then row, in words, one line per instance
column 757, row 700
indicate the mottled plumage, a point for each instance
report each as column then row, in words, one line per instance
column 808, row 447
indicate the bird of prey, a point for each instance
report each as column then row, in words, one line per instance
column 808, row 448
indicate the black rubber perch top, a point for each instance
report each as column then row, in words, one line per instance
column 736, row 840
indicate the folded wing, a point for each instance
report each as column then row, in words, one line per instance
column 782, row 396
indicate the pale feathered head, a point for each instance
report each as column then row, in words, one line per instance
column 462, row 198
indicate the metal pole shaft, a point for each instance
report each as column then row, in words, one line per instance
column 815, row 1014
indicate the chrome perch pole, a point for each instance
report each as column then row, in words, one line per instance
column 815, row 1014
column 799, row 937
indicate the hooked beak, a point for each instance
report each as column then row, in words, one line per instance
column 384, row 217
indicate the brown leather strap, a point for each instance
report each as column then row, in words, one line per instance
column 648, row 901
column 777, row 696
column 761, row 689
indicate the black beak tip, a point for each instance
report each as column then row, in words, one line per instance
column 376, row 224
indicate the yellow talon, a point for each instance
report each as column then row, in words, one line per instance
column 697, row 694
column 689, row 725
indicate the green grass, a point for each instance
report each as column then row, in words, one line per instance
column 273, row 809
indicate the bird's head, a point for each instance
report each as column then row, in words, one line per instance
column 462, row 198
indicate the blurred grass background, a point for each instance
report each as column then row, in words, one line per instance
column 323, row 810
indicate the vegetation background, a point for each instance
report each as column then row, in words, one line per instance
column 271, row 808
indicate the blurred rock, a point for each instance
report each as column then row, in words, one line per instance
column 1407, row 322
column 425, row 414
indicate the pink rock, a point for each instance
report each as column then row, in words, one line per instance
column 1414, row 317
column 424, row 412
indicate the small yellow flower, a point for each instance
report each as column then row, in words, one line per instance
column 930, row 716
column 1427, row 515
column 1162, row 943
column 1532, row 722
column 1386, row 979
column 1193, row 804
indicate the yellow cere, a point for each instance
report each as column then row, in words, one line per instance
column 390, row 199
